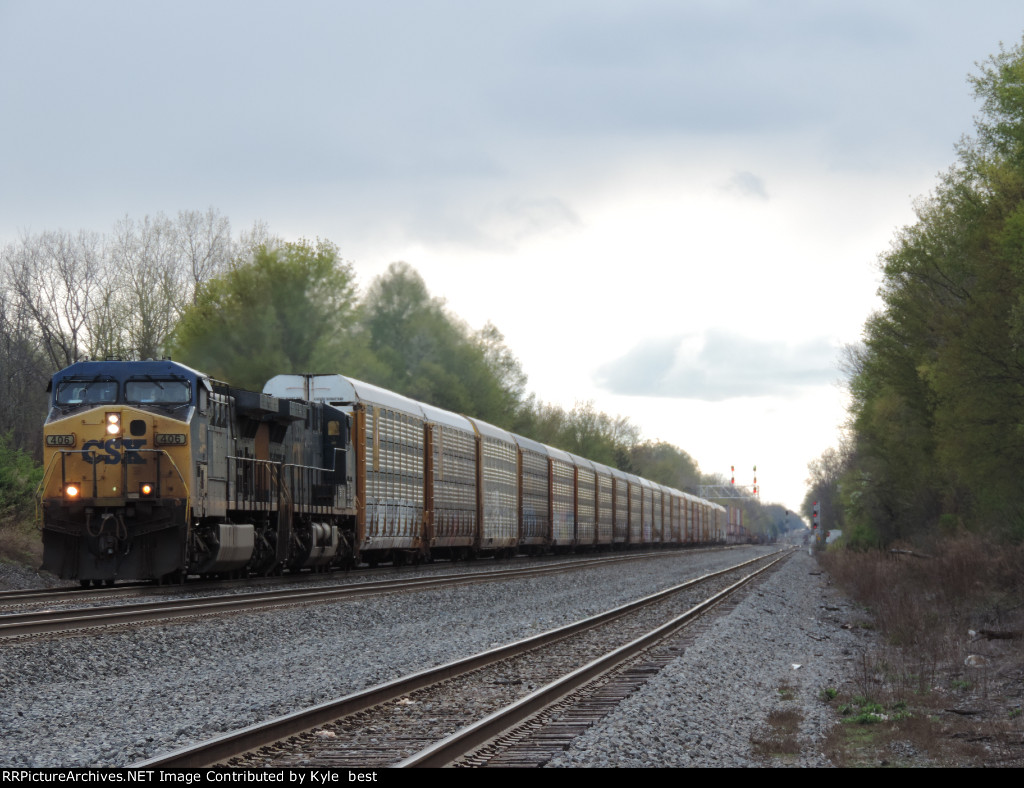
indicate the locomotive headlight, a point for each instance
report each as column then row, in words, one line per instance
column 113, row 423
column 71, row 491
column 146, row 490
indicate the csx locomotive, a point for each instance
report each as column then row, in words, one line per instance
column 153, row 470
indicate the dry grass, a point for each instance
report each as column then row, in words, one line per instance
column 936, row 706
column 781, row 737
column 20, row 543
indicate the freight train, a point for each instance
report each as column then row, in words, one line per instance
column 153, row 470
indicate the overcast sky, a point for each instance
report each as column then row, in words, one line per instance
column 672, row 208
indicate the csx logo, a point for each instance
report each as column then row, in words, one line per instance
column 115, row 448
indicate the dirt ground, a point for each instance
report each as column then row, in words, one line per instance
column 943, row 682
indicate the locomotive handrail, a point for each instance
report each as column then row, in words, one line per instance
column 274, row 488
column 177, row 470
column 62, row 453
column 285, row 484
column 39, row 491
column 288, row 475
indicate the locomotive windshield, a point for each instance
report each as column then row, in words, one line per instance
column 73, row 391
column 154, row 391
column 147, row 390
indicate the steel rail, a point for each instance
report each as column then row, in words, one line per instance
column 48, row 621
column 472, row 737
column 234, row 743
column 14, row 595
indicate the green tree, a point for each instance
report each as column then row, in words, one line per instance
column 287, row 308
column 666, row 464
column 583, row 431
column 823, row 487
column 413, row 345
column 938, row 400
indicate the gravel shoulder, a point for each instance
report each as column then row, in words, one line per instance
column 116, row 697
column 774, row 652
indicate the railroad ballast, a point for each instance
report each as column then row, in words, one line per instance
column 153, row 470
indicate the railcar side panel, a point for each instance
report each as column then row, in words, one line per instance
column 605, row 505
column 498, row 487
column 647, row 511
column 394, row 479
column 620, row 507
column 534, row 495
column 452, row 483
column 636, row 507
column 563, row 498
column 586, row 502
column 658, row 512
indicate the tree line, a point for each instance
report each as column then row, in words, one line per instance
column 246, row 307
column 935, row 439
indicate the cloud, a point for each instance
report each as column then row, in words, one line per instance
column 718, row 365
column 748, row 184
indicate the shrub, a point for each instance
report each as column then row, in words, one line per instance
column 19, row 478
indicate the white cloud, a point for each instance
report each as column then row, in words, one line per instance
column 749, row 185
column 718, row 365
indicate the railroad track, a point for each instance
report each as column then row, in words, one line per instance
column 540, row 736
column 437, row 716
column 34, row 622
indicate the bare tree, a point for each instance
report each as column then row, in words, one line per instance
column 67, row 296
column 55, row 280
column 160, row 266
column 144, row 255
column 23, row 376
column 203, row 247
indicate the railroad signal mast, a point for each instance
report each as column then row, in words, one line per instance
column 731, row 491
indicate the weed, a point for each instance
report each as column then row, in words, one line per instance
column 827, row 694
column 923, row 603
column 779, row 739
column 865, row 718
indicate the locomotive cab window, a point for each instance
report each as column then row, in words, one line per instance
column 150, row 391
column 86, row 392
